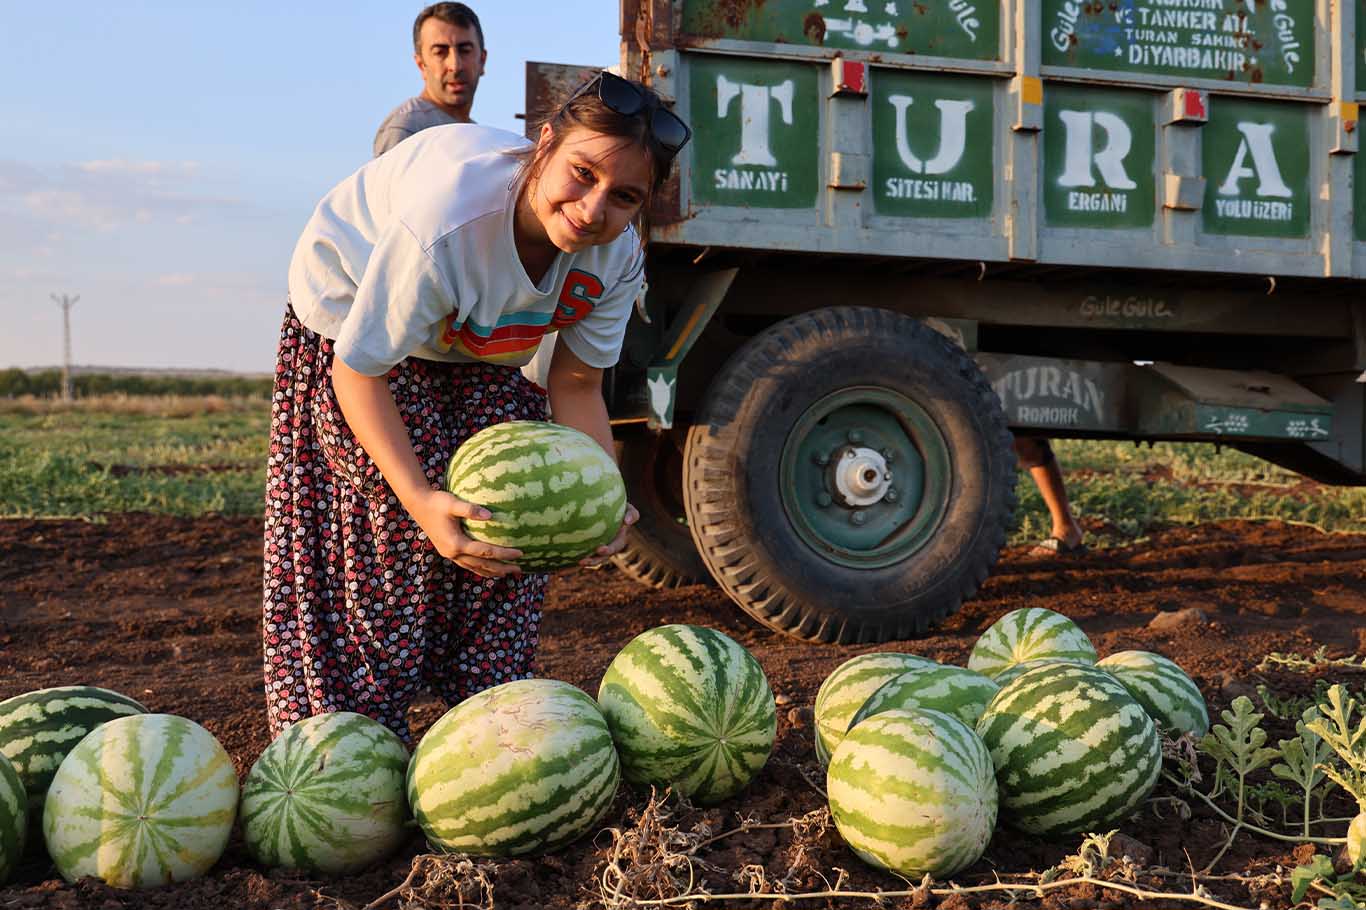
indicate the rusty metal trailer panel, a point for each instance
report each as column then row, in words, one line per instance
column 1204, row 135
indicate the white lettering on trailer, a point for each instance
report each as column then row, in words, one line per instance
column 930, row 190
column 953, row 135
column 1080, row 155
column 966, row 14
column 761, row 181
column 1054, row 417
column 1127, row 307
column 755, row 105
column 1029, row 383
column 1255, row 209
column 1184, row 34
column 1256, row 142
column 1097, row 202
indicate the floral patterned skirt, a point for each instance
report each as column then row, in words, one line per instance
column 361, row 612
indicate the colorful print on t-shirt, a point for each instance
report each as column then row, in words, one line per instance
column 515, row 336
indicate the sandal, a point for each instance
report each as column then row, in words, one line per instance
column 1056, row 546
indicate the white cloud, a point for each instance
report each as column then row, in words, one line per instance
column 106, row 195
column 148, row 168
column 177, row 280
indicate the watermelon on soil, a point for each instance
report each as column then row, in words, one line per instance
column 1170, row 696
column 142, row 801
column 958, row 692
column 1074, row 752
column 913, row 791
column 1356, row 839
column 555, row 494
column 13, row 818
column 1029, row 634
column 691, row 709
column 848, row 687
column 327, row 795
column 1010, row 673
column 523, row 767
column 38, row 729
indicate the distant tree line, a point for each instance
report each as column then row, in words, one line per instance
column 48, row 384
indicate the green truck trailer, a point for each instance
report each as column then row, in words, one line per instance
column 906, row 229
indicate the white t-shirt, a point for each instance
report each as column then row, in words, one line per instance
column 413, row 256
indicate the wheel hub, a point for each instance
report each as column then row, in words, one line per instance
column 859, row 476
column 864, row 476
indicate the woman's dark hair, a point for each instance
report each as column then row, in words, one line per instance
column 585, row 110
column 451, row 14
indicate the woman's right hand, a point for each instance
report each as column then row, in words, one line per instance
column 438, row 513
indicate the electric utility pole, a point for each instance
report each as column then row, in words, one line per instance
column 66, row 303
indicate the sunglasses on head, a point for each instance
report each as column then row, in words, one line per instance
column 629, row 99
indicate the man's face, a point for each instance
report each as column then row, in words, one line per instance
column 451, row 62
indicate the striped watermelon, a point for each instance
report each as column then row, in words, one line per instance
column 845, row 690
column 13, row 818
column 1029, row 634
column 1073, row 750
column 913, row 791
column 553, row 491
column 327, row 795
column 526, row 766
column 1009, row 674
column 691, row 709
column 142, row 801
column 1164, row 690
column 38, row 728
column 957, row 692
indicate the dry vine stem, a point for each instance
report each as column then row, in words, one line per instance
column 1193, row 897
column 438, row 874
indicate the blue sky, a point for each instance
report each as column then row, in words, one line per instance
column 160, row 158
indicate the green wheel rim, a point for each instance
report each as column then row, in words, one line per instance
column 864, row 420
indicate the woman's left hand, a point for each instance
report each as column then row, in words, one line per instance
column 603, row 554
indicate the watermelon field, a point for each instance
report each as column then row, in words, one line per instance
column 1264, row 611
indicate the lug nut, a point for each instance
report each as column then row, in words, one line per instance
column 858, row 518
column 855, row 436
column 891, row 495
column 887, row 455
column 821, row 459
column 824, row 500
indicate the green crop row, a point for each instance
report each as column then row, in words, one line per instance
column 183, row 457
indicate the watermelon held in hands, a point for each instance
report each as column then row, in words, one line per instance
column 555, row 494
column 913, row 791
column 690, row 709
column 523, row 767
column 142, row 801
column 13, row 818
column 327, row 795
column 1073, row 750
column 1029, row 634
column 38, row 729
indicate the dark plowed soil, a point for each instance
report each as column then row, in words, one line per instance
column 167, row 610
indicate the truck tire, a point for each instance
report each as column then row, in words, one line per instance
column 849, row 476
column 660, row 552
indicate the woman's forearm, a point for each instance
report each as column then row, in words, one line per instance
column 581, row 407
column 370, row 411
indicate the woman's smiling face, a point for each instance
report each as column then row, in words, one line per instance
column 589, row 189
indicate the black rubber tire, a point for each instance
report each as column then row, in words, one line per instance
column 660, row 552
column 732, row 464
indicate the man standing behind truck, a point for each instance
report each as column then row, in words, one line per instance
column 448, row 47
